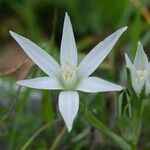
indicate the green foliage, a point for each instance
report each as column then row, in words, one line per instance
column 93, row 20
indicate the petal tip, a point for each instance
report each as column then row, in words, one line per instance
column 69, row 129
column 67, row 19
column 11, row 33
column 119, row 88
column 139, row 43
column 126, row 54
column 66, row 15
column 19, row 82
column 128, row 61
column 123, row 29
column 126, row 57
column 140, row 49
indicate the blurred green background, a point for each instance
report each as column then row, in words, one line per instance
column 24, row 111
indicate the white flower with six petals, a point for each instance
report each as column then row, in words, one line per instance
column 140, row 71
column 68, row 75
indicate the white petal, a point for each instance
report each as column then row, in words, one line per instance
column 147, row 86
column 148, row 80
column 148, row 70
column 68, row 106
column 141, row 60
column 148, row 67
column 130, row 66
column 94, row 84
column 128, row 62
column 68, row 45
column 41, row 83
column 98, row 54
column 38, row 55
column 137, row 86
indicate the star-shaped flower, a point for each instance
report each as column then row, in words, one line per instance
column 68, row 76
column 140, row 71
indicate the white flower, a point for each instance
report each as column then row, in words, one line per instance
column 68, row 75
column 140, row 71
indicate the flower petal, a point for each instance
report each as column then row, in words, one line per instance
column 68, row 45
column 137, row 86
column 141, row 60
column 147, row 87
column 98, row 54
column 130, row 65
column 47, row 83
column 68, row 106
column 128, row 62
column 39, row 56
column 95, row 84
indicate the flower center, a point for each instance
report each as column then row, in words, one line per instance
column 69, row 75
column 141, row 75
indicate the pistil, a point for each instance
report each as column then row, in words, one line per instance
column 69, row 75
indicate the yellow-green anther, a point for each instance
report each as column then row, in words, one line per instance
column 141, row 75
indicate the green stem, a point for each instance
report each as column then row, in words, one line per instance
column 137, row 117
column 58, row 138
column 30, row 140
column 8, row 113
column 104, row 130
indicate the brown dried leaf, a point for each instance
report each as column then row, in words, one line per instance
column 13, row 61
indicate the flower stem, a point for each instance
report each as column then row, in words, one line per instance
column 58, row 138
column 31, row 139
column 104, row 130
column 8, row 113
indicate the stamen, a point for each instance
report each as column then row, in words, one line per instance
column 141, row 75
column 69, row 75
